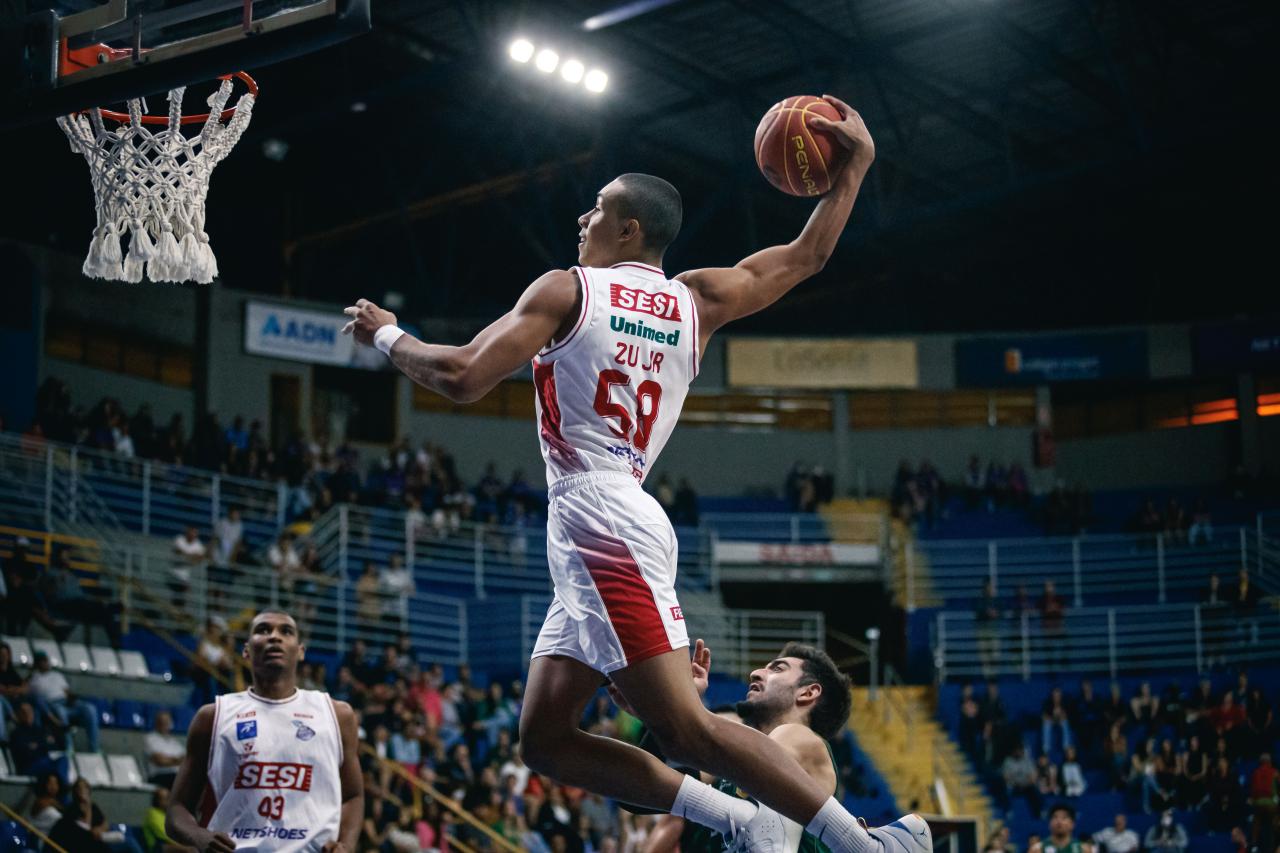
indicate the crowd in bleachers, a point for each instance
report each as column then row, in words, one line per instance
column 1204, row 757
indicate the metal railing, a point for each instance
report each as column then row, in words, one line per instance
column 1104, row 640
column 1146, row 568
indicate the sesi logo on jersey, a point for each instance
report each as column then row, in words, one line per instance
column 274, row 775
column 663, row 305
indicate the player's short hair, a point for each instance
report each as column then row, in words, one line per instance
column 1062, row 807
column 280, row 611
column 655, row 204
column 830, row 713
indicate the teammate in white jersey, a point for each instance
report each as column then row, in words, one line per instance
column 614, row 345
column 273, row 768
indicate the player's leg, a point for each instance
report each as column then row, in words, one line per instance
column 663, row 696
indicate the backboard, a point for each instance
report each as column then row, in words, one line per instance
column 79, row 54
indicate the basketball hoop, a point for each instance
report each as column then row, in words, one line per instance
column 153, row 183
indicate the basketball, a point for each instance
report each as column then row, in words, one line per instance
column 795, row 158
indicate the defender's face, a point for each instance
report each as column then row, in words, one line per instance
column 596, row 230
column 771, row 690
column 273, row 645
column 1061, row 825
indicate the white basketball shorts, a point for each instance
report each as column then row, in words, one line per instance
column 612, row 554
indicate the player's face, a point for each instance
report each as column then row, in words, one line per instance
column 597, row 230
column 1061, row 825
column 771, row 691
column 273, row 646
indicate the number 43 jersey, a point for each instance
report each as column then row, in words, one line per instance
column 609, row 393
column 274, row 771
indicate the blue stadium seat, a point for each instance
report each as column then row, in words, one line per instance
column 14, row 837
column 132, row 715
column 182, row 717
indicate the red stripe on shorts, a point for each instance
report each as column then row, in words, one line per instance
column 627, row 598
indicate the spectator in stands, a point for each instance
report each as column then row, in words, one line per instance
column 13, row 689
column 1047, row 782
column 975, row 483
column 368, row 600
column 1000, row 842
column 1259, row 720
column 1053, row 610
column 1175, row 522
column 1228, row 722
column 1195, row 774
column 1201, row 530
column 1073, row 783
column 68, row 600
column 1114, row 708
column 1168, row 774
column 686, row 505
column 1223, row 809
column 1264, row 798
column 188, row 555
column 1087, row 720
column 1200, row 705
column 215, row 659
column 1144, row 707
column 46, row 803
column 1167, row 835
column 1117, row 838
column 64, row 707
column 1020, row 778
column 164, row 751
column 153, row 831
column 1117, row 750
column 1148, row 519
column 395, row 583
column 986, row 616
column 30, row 744
column 971, row 723
column 1062, row 832
column 1054, row 713
column 22, row 602
column 228, row 537
column 1244, row 603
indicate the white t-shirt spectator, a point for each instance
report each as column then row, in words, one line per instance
column 1117, row 842
column 124, row 443
column 520, row 771
column 394, row 583
column 170, row 746
column 51, row 686
column 229, row 534
column 188, row 549
column 283, row 559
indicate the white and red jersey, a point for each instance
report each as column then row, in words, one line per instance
column 275, row 771
column 609, row 394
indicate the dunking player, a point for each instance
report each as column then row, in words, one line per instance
column 615, row 344
column 273, row 768
column 799, row 699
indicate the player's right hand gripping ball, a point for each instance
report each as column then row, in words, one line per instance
column 798, row 159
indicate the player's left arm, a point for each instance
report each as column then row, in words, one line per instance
column 756, row 282
column 465, row 374
column 807, row 748
column 352, row 783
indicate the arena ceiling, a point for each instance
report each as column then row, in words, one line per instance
column 1040, row 164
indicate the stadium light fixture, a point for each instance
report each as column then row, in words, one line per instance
column 547, row 60
column 521, row 50
column 572, row 71
column 596, row 80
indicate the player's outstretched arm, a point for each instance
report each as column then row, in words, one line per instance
column 180, row 821
column 464, row 374
column 352, row 783
column 727, row 293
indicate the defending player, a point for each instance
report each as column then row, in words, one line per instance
column 614, row 345
column 272, row 768
column 1062, row 833
column 799, row 699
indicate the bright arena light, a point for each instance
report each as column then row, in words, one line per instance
column 596, row 80
column 521, row 50
column 572, row 70
column 547, row 60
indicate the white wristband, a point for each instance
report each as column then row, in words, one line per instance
column 385, row 338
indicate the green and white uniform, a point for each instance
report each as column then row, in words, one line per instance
column 1072, row 846
column 700, row 839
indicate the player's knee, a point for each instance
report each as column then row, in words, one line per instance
column 539, row 746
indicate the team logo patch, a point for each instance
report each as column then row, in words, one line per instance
column 305, row 732
column 663, row 305
column 677, row 613
column 246, row 730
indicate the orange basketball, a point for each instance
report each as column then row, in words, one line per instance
column 795, row 158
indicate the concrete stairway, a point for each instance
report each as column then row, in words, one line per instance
column 925, row 769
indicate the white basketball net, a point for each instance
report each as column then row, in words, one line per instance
column 154, row 184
